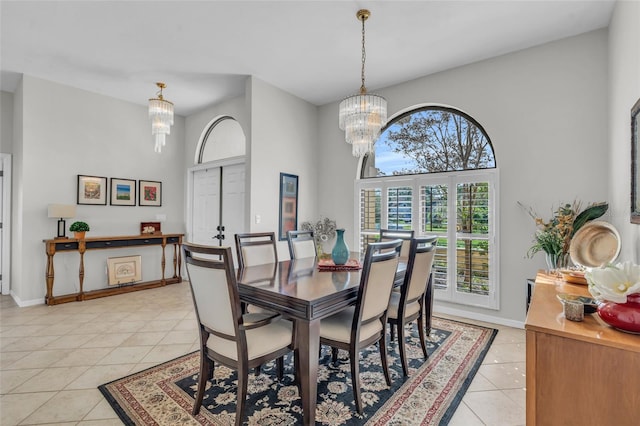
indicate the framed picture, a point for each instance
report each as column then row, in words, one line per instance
column 124, row 270
column 149, row 193
column 150, row 228
column 123, row 192
column 92, row 190
column 288, row 205
column 635, row 163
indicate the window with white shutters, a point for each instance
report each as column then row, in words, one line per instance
column 433, row 171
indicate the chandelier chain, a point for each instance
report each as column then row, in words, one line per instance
column 363, row 89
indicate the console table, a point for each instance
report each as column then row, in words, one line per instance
column 578, row 373
column 98, row 243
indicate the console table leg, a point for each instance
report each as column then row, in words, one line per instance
column 163, row 262
column 51, row 250
column 176, row 253
column 81, row 249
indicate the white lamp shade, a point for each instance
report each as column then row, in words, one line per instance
column 61, row 211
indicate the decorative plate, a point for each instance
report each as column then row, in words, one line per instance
column 595, row 244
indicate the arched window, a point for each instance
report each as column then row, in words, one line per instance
column 428, row 140
column 434, row 171
column 223, row 138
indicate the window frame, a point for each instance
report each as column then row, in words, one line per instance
column 451, row 179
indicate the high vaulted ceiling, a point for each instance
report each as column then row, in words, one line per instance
column 203, row 50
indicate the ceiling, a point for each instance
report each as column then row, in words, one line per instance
column 204, row 50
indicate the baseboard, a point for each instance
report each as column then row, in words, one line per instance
column 25, row 303
column 476, row 316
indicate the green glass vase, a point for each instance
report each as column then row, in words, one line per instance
column 340, row 252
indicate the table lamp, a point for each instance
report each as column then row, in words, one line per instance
column 62, row 212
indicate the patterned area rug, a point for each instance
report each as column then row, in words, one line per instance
column 163, row 395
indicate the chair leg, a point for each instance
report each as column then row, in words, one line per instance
column 243, row 380
column 402, row 347
column 382, row 343
column 355, row 378
column 423, row 342
column 334, row 355
column 280, row 368
column 206, row 370
column 393, row 337
column 257, row 370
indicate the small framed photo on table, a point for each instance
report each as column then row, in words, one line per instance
column 149, row 193
column 150, row 228
column 92, row 190
column 123, row 192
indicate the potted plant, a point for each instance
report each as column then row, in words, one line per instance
column 79, row 228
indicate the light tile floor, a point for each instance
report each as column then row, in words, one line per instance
column 52, row 358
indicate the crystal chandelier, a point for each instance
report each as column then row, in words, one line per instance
column 161, row 115
column 362, row 115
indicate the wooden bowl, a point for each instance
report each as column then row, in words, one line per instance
column 573, row 276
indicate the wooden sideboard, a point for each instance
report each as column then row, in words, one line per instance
column 98, row 243
column 578, row 373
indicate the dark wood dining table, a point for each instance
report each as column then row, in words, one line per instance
column 298, row 290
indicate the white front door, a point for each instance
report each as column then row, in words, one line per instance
column 218, row 205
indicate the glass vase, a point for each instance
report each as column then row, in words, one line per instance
column 556, row 261
column 340, row 252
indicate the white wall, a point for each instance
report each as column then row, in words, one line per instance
column 624, row 91
column 545, row 110
column 63, row 132
column 6, row 122
column 284, row 138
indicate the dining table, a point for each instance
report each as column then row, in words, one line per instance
column 300, row 291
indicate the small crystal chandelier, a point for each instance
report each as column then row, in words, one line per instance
column 362, row 115
column 161, row 115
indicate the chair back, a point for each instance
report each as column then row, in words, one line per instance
column 404, row 234
column 418, row 268
column 301, row 244
column 213, row 288
column 256, row 248
column 376, row 282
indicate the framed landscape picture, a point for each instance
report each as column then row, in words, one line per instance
column 92, row 190
column 149, row 193
column 288, row 205
column 123, row 192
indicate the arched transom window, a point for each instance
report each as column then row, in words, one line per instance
column 434, row 172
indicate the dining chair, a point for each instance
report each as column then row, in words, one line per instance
column 408, row 305
column 404, row 234
column 252, row 249
column 256, row 248
column 238, row 341
column 301, row 244
column 360, row 326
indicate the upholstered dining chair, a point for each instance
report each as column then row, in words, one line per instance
column 404, row 234
column 227, row 336
column 301, row 244
column 408, row 305
column 364, row 324
column 256, row 248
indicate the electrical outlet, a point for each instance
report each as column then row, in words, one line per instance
column 258, row 218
